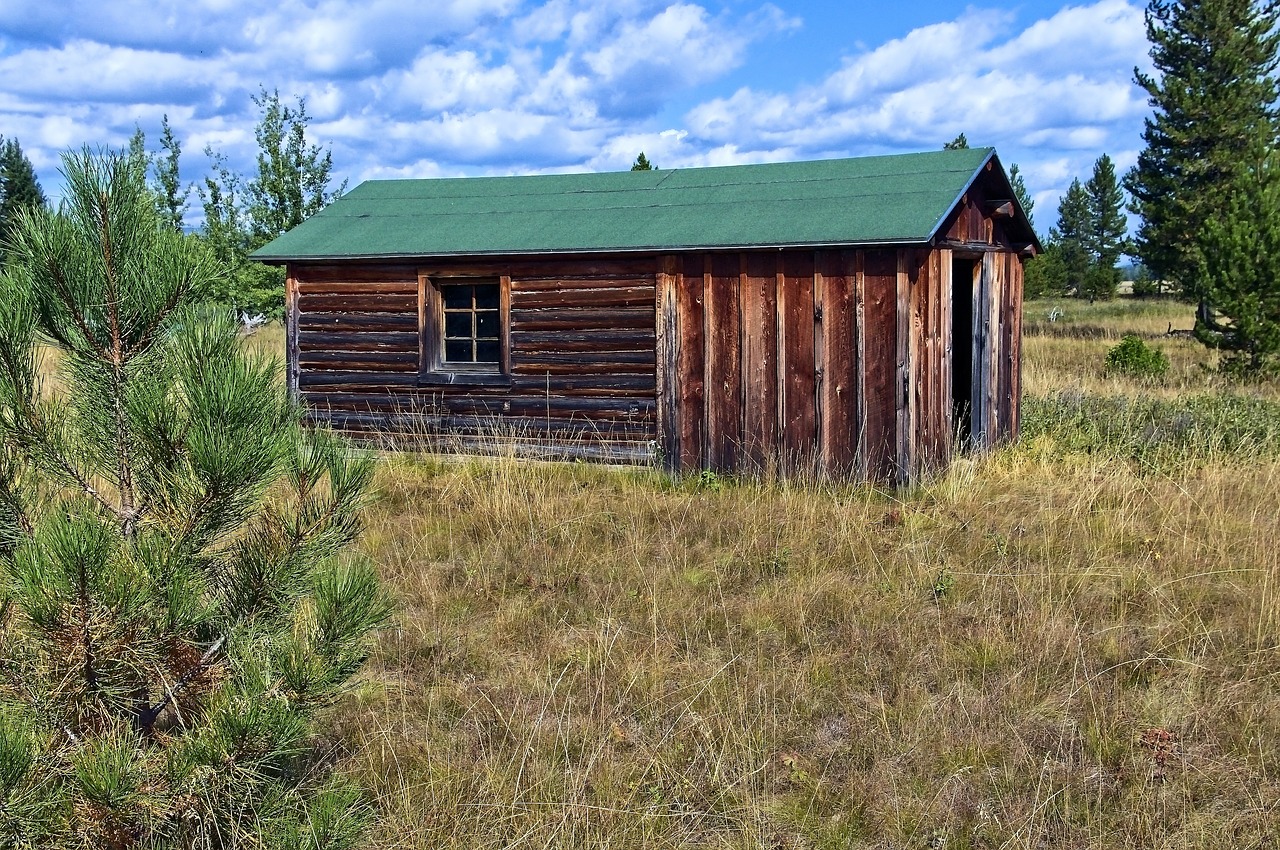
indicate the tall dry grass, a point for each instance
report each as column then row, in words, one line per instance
column 1057, row 645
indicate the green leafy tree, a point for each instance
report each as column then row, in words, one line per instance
column 291, row 184
column 1105, row 237
column 171, row 194
column 19, row 188
column 1238, row 271
column 1214, row 98
column 292, row 180
column 136, row 151
column 176, row 603
column 1072, row 235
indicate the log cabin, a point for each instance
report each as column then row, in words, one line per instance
column 850, row 318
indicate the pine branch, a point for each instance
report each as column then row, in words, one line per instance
column 148, row 717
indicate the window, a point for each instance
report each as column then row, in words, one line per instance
column 472, row 334
column 463, row 335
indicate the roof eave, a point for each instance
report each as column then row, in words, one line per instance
column 973, row 178
column 280, row 259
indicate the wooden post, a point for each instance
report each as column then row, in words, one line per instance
column 292, row 369
column 1015, row 353
column 946, row 261
column 995, row 296
column 667, row 341
column 904, row 383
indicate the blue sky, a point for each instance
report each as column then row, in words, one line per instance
column 404, row 88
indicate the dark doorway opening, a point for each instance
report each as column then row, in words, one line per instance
column 962, row 276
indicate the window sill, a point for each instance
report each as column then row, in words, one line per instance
column 463, row 379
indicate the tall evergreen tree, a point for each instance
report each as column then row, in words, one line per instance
column 1105, row 238
column 1046, row 274
column 19, row 188
column 1020, row 191
column 175, row 607
column 1072, row 237
column 642, row 163
column 1238, row 271
column 1214, row 104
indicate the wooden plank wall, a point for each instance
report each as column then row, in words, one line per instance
column 800, row 362
column 829, row 362
column 880, row 365
column 837, row 363
column 582, row 355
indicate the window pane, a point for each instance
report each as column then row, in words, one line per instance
column 486, row 324
column 457, row 325
column 458, row 351
column 486, row 296
column 487, row 351
column 456, row 297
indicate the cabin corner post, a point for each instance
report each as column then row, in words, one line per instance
column 667, row 339
column 291, row 334
column 1016, row 296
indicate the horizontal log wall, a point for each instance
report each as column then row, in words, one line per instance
column 581, row 337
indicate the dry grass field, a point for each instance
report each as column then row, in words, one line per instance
column 1072, row 642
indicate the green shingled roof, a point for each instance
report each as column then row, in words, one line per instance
column 882, row 199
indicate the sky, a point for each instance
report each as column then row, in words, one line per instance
column 427, row 88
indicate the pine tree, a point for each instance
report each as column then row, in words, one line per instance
column 1072, row 235
column 959, row 143
column 1105, row 237
column 176, row 605
column 1214, row 100
column 1046, row 273
column 19, row 188
column 1020, row 192
column 1238, row 271
column 642, row 163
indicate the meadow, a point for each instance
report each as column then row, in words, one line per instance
column 1070, row 642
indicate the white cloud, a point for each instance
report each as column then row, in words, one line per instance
column 406, row 88
column 932, row 52
column 90, row 71
column 1020, row 91
column 441, row 80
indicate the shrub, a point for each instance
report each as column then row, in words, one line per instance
column 1135, row 357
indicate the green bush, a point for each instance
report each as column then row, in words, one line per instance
column 1135, row 357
